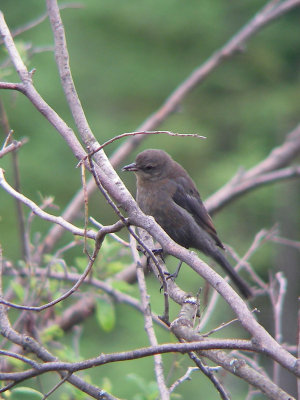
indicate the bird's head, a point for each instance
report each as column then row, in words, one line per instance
column 150, row 165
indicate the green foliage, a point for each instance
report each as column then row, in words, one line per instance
column 111, row 260
column 148, row 390
column 105, row 314
column 24, row 393
column 122, row 286
column 53, row 332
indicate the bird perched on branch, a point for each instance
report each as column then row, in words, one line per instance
column 166, row 191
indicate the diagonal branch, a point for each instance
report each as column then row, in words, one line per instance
column 267, row 171
column 43, row 214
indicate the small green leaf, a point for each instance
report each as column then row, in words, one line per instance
column 47, row 258
column 122, row 286
column 53, row 332
column 114, row 267
column 105, row 314
column 25, row 393
column 106, row 384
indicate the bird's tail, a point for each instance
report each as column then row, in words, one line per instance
column 243, row 287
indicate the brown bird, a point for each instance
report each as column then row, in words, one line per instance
column 166, row 191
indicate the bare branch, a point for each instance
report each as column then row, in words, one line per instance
column 202, row 345
column 145, row 133
column 12, row 146
column 40, row 19
column 232, row 47
column 158, row 364
column 182, row 328
column 277, row 298
column 43, row 214
column 185, row 377
column 208, row 372
column 278, row 158
column 113, row 235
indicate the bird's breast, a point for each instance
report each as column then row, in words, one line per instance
column 158, row 202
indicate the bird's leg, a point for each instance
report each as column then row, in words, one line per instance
column 156, row 252
column 160, row 253
column 175, row 274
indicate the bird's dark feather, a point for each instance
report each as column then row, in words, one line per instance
column 187, row 197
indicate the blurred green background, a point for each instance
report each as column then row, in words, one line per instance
column 126, row 58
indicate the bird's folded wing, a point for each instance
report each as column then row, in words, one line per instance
column 187, row 197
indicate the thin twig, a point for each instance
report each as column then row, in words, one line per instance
column 12, row 147
column 158, row 364
column 222, row 326
column 40, row 19
column 261, row 237
column 207, row 371
column 86, row 206
column 4, row 123
column 25, row 247
column 241, row 261
column 62, row 381
column 185, row 377
column 113, row 235
column 277, row 299
column 43, row 214
column 144, row 133
column 286, row 242
column 19, row 357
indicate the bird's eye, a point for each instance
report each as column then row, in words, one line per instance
column 148, row 167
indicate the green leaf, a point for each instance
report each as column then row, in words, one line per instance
column 106, row 384
column 114, row 267
column 52, row 332
column 25, row 393
column 105, row 314
column 122, row 286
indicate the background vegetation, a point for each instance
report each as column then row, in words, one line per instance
column 126, row 58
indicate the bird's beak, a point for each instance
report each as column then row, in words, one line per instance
column 130, row 167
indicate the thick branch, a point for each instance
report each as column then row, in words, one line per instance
column 182, row 327
column 205, row 344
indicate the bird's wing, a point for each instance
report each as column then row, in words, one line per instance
column 187, row 196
